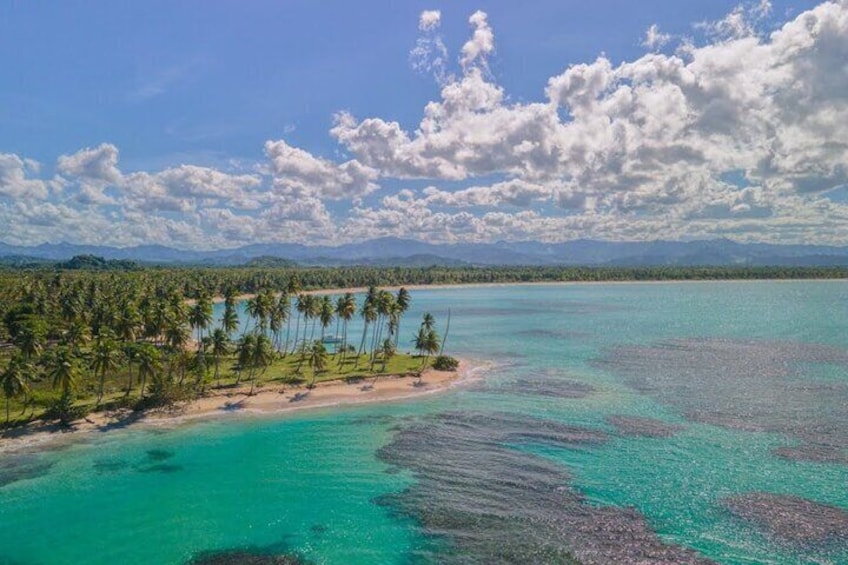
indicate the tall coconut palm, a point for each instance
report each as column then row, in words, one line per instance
column 229, row 319
column 385, row 307
column 200, row 317
column 283, row 312
column 244, row 355
column 220, row 346
column 149, row 363
column 317, row 359
column 426, row 341
column 63, row 371
column 345, row 310
column 326, row 315
column 301, row 306
column 403, row 301
column 292, row 290
column 263, row 356
column 105, row 358
column 13, row 381
column 369, row 315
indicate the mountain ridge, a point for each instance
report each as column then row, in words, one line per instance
column 389, row 251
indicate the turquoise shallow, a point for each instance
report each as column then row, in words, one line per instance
column 693, row 422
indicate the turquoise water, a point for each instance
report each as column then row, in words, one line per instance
column 608, row 410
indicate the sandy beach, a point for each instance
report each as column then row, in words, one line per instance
column 268, row 399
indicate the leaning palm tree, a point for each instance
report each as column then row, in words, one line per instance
column 13, row 381
column 402, row 301
column 369, row 315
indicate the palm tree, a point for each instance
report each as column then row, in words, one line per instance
column 149, row 363
column 345, row 309
column 326, row 314
column 13, row 381
column 244, row 355
column 263, row 356
column 403, row 300
column 301, row 307
column 387, row 352
column 221, row 346
column 63, row 371
column 369, row 314
column 200, row 317
column 385, row 307
column 76, row 335
column 426, row 341
column 229, row 319
column 105, row 358
column 317, row 359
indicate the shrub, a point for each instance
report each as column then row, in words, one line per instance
column 445, row 363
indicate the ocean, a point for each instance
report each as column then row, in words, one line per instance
column 699, row 422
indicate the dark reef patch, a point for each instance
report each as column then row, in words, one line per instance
column 490, row 502
column 791, row 519
column 245, row 557
column 813, row 453
column 14, row 468
column 159, row 454
column 745, row 385
column 642, row 427
column 109, row 465
column 545, row 386
column 160, row 468
column 542, row 333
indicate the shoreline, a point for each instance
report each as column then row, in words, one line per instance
column 452, row 286
column 267, row 400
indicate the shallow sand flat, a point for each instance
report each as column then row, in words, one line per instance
column 267, row 400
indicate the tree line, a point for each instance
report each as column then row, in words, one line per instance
column 71, row 333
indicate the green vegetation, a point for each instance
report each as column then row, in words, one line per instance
column 445, row 363
column 74, row 341
column 93, row 333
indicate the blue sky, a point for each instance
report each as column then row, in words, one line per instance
column 213, row 124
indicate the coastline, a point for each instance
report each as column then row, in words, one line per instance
column 451, row 286
column 267, row 400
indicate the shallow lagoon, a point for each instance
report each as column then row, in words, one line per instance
column 690, row 422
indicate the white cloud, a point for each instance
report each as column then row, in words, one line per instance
column 654, row 38
column 481, row 44
column 429, row 20
column 430, row 55
column 14, row 181
column 636, row 150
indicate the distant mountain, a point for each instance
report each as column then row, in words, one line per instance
column 390, row 251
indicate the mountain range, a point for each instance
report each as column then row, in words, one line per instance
column 390, row 251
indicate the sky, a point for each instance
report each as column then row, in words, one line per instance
column 205, row 125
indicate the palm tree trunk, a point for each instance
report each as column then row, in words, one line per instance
column 296, row 331
column 361, row 344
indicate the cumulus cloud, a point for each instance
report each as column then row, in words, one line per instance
column 429, row 20
column 481, row 44
column 744, row 134
column 15, row 181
